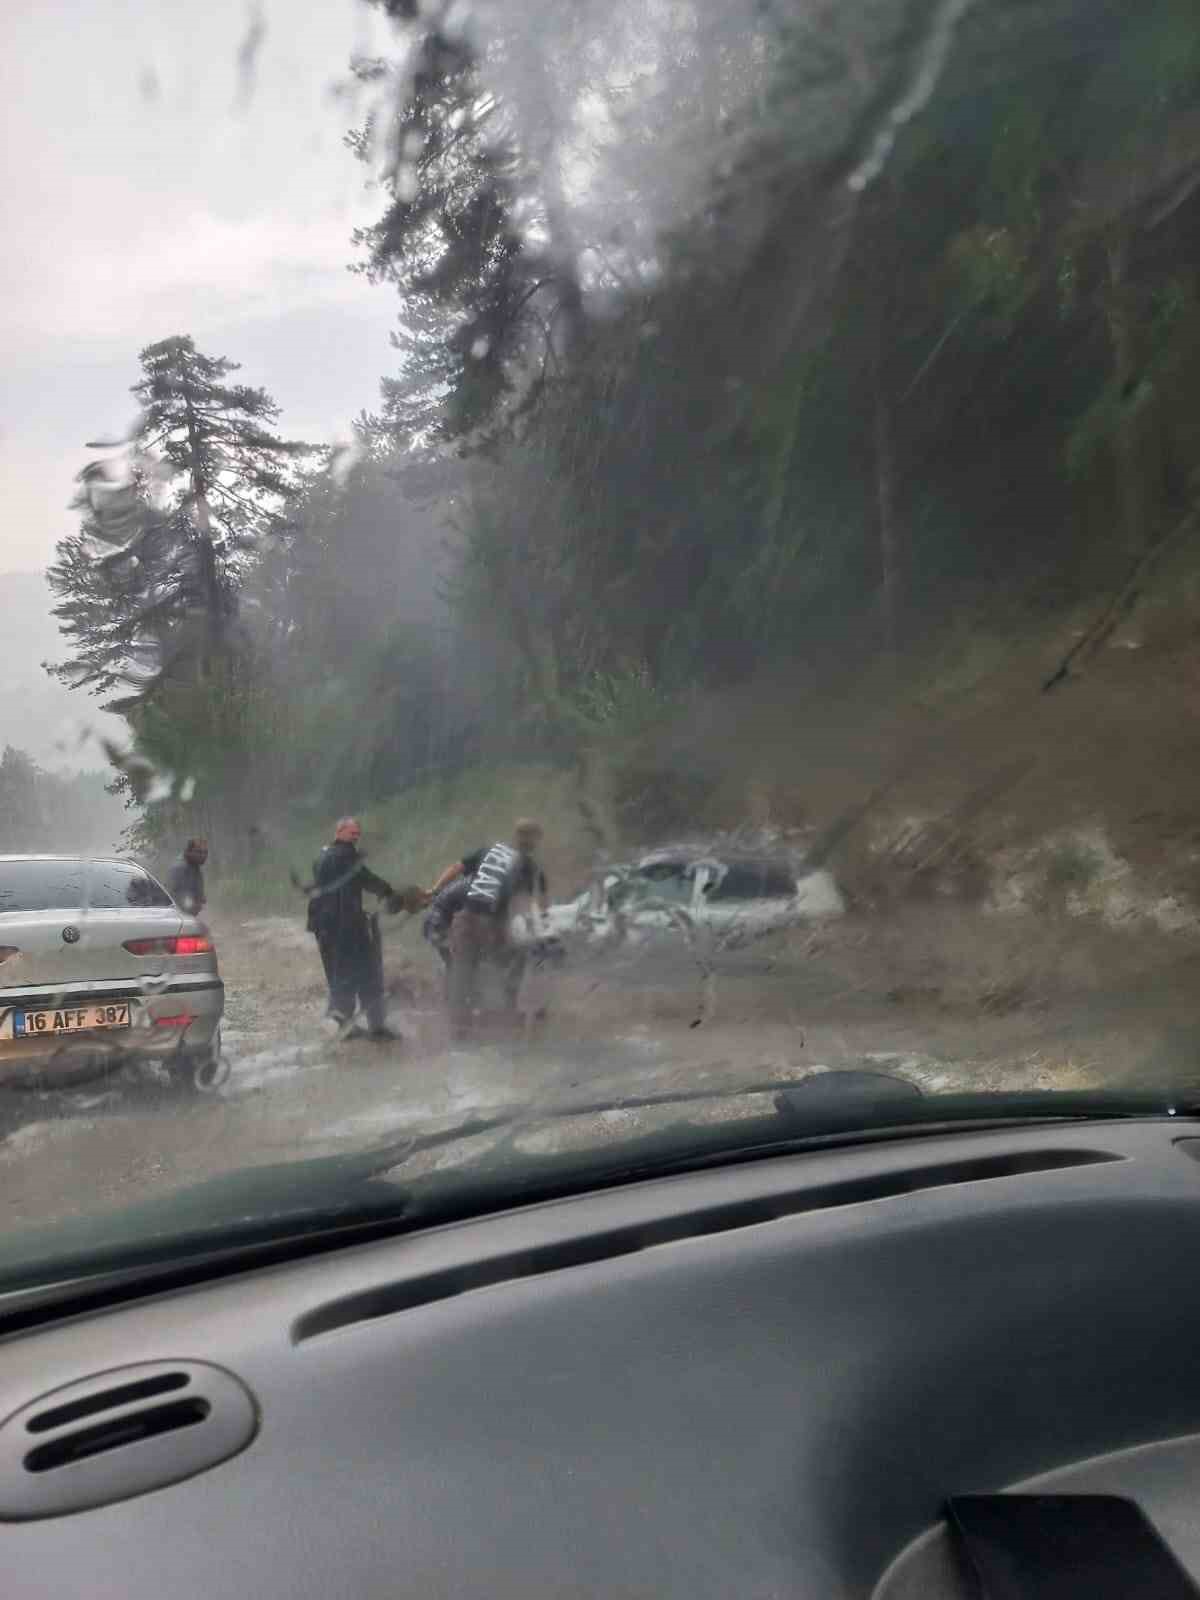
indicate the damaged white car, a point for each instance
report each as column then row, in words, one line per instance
column 685, row 890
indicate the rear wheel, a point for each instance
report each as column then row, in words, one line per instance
column 201, row 1071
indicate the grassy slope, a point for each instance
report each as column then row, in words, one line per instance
column 410, row 838
column 959, row 731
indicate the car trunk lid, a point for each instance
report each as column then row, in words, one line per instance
column 75, row 946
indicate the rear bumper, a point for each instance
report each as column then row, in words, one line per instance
column 184, row 1018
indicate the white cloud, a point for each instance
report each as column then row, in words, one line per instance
column 204, row 271
column 127, row 219
column 35, row 486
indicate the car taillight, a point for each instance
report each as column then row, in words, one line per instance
column 184, row 944
column 7, row 950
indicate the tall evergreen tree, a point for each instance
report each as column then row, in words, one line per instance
column 148, row 587
column 467, row 236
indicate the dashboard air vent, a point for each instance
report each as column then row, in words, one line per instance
column 118, row 1434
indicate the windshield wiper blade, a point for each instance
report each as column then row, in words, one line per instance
column 299, row 1207
column 806, row 1114
column 819, row 1103
column 237, row 1213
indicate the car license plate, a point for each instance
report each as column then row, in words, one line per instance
column 69, row 1019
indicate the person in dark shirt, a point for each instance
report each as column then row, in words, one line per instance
column 346, row 936
column 185, row 881
column 479, row 932
column 531, row 878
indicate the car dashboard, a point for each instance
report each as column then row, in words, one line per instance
column 758, row 1379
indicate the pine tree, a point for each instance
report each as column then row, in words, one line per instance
column 484, row 306
column 148, row 587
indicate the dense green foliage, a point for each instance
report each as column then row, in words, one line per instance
column 840, row 409
column 996, row 385
column 919, row 334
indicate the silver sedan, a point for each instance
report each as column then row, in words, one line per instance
column 98, row 967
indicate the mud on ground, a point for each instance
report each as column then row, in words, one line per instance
column 947, row 996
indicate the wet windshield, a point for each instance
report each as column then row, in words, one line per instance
column 588, row 586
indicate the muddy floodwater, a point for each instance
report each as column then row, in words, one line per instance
column 945, row 1000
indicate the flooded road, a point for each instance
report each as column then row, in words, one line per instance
column 624, row 1025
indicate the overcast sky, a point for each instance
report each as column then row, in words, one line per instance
column 138, row 200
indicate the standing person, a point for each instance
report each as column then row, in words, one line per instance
column 527, row 839
column 346, row 936
column 185, row 881
column 479, row 932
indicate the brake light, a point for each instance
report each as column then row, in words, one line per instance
column 180, row 1021
column 184, row 944
column 7, row 950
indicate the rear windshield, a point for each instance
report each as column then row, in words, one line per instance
column 76, row 886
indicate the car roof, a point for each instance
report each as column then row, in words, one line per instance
column 46, row 855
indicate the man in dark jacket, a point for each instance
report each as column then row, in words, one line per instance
column 185, row 881
column 346, row 937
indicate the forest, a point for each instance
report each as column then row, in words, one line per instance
column 742, row 358
column 42, row 810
